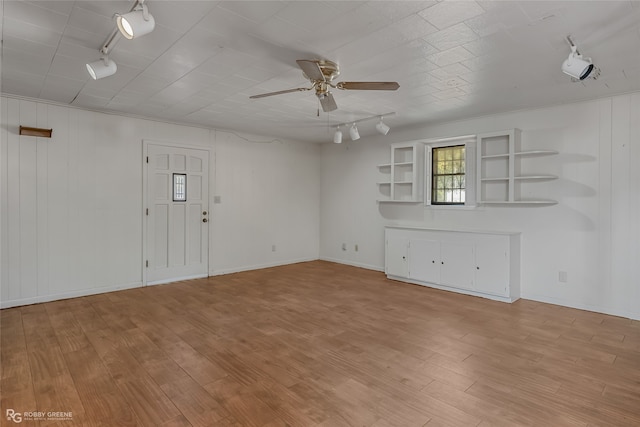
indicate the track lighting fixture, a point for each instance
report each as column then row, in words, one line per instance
column 104, row 67
column 353, row 133
column 353, row 129
column 136, row 23
column 381, row 127
column 577, row 67
column 337, row 136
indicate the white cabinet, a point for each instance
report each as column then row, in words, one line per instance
column 477, row 263
column 506, row 174
column 396, row 254
column 401, row 179
column 424, row 263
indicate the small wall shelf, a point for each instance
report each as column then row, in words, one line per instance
column 501, row 173
column 401, row 178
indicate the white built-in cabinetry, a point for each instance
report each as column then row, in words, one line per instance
column 484, row 264
column 401, row 179
column 505, row 173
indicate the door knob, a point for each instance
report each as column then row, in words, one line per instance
column 205, row 220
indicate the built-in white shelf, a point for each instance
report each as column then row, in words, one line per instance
column 401, row 177
column 502, row 171
column 535, row 153
column 534, row 177
column 519, row 202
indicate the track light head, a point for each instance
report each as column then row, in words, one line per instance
column 136, row 23
column 353, row 133
column 577, row 67
column 382, row 127
column 337, row 136
column 104, row 67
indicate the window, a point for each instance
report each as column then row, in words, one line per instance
column 179, row 187
column 449, row 172
column 448, row 175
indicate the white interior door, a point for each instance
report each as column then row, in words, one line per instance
column 177, row 220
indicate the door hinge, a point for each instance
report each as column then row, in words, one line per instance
column 147, row 159
column 146, row 264
column 147, row 211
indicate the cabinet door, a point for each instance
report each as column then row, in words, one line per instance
column 396, row 256
column 457, row 264
column 492, row 265
column 424, row 260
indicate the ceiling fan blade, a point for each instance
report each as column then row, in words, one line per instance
column 368, row 85
column 327, row 102
column 311, row 69
column 280, row 92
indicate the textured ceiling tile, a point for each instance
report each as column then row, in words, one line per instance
column 448, row 13
column 451, row 56
column 309, row 15
column 397, row 10
column 35, row 63
column 456, row 35
column 453, row 70
column 18, row 84
column 91, row 21
column 413, row 27
column 256, row 11
column 33, row 33
column 164, row 13
column 498, row 19
column 36, row 16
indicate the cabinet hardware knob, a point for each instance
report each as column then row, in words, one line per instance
column 433, row 262
column 442, row 262
column 404, row 257
column 205, row 220
column 477, row 268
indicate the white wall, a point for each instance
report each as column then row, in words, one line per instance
column 593, row 233
column 71, row 214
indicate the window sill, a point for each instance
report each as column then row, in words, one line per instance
column 451, row 207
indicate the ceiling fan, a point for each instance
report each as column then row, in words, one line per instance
column 321, row 73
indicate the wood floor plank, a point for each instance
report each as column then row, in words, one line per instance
column 317, row 344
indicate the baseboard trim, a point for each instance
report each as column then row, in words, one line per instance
column 352, row 263
column 177, row 279
column 67, row 295
column 581, row 306
column 258, row 266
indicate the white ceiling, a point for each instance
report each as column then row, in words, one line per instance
column 453, row 59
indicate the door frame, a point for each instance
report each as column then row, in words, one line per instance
column 145, row 172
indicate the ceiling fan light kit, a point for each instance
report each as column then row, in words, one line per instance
column 321, row 72
column 137, row 22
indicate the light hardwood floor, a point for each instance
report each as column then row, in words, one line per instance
column 317, row 344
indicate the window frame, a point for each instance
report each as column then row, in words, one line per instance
column 469, row 142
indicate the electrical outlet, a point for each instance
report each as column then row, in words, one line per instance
column 356, row 247
column 562, row 276
column 344, row 246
